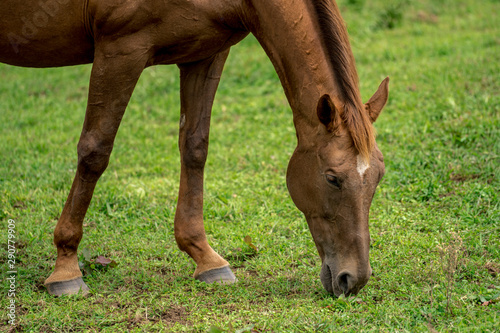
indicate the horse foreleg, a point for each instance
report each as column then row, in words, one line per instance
column 199, row 83
column 112, row 82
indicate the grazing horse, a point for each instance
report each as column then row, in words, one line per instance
column 334, row 169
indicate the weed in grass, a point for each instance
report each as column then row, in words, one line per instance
column 392, row 15
column 441, row 275
column 451, row 258
column 88, row 264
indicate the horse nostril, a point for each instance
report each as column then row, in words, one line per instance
column 345, row 282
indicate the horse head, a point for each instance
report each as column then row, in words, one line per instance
column 333, row 185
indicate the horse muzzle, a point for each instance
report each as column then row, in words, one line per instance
column 346, row 281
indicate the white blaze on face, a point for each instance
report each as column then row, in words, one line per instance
column 362, row 166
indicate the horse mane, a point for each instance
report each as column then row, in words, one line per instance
column 338, row 50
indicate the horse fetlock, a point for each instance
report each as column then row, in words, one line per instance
column 66, row 269
column 209, row 260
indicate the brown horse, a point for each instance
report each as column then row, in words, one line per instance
column 334, row 170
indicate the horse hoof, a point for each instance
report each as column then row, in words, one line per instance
column 222, row 275
column 70, row 287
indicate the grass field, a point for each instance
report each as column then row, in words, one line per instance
column 435, row 219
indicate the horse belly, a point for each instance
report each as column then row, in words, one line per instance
column 46, row 33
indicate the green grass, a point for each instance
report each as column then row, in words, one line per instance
column 435, row 220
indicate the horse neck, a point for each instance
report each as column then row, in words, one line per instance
column 290, row 34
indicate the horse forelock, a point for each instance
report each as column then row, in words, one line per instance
column 339, row 53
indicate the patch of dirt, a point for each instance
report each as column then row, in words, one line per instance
column 40, row 286
column 462, row 178
column 90, row 224
column 176, row 314
column 431, row 328
column 21, row 244
column 134, row 322
column 20, row 205
column 493, row 268
column 449, row 194
column 167, row 273
column 256, row 330
column 412, row 87
column 427, row 17
column 252, row 272
column 19, row 328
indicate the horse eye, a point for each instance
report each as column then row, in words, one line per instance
column 332, row 180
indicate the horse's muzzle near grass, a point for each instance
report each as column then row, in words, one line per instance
column 334, row 171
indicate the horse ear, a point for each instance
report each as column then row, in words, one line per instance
column 327, row 113
column 378, row 100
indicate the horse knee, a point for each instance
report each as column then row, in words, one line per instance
column 93, row 158
column 194, row 152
